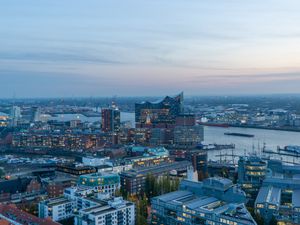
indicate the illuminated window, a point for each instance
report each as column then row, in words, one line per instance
column 259, row 206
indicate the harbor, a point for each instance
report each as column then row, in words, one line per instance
column 270, row 139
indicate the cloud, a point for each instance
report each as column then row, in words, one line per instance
column 57, row 56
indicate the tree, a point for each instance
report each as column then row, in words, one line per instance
column 256, row 216
column 273, row 221
column 2, row 173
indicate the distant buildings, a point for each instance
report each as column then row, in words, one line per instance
column 36, row 114
column 15, row 116
column 60, row 140
column 94, row 161
column 213, row 201
column 4, row 120
column 110, row 119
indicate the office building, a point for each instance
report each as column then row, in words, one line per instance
column 101, row 182
column 134, row 181
column 251, row 173
column 75, row 170
column 188, row 136
column 144, row 156
column 215, row 201
column 111, row 119
column 279, row 196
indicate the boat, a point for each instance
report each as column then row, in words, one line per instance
column 291, row 148
column 215, row 146
column 240, row 135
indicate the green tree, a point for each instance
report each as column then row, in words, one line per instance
column 273, row 221
column 256, row 216
column 2, row 172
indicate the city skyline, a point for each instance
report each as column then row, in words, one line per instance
column 145, row 48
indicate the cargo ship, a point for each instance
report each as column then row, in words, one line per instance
column 240, row 135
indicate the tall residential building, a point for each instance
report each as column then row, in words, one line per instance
column 251, row 173
column 199, row 162
column 15, row 115
column 160, row 114
column 111, row 119
column 215, row 201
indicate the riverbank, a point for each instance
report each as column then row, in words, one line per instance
column 266, row 128
column 252, row 126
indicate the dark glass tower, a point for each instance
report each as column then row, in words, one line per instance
column 110, row 120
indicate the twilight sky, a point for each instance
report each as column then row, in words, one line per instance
column 51, row 48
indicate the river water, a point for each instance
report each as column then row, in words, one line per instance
column 244, row 145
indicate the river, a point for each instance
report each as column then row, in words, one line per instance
column 245, row 145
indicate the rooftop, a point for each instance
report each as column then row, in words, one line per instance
column 205, row 204
column 97, row 175
column 270, row 195
column 161, row 168
column 57, row 201
column 11, row 212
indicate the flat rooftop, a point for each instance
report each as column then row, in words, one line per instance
column 164, row 167
column 57, row 201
